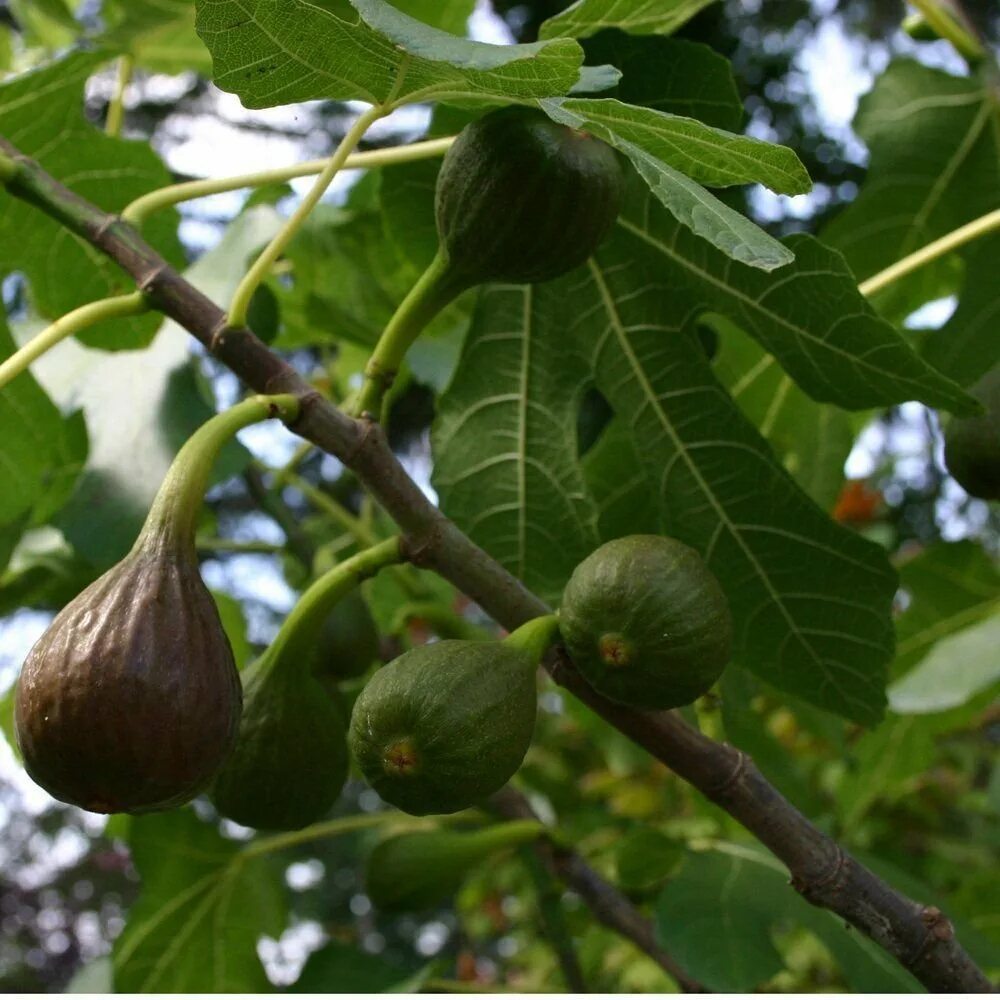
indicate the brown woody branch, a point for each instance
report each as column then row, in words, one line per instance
column 919, row 937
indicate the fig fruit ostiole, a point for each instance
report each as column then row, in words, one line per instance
column 290, row 759
column 447, row 724
column 646, row 622
column 519, row 199
column 130, row 701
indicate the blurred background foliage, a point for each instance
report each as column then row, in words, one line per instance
column 917, row 797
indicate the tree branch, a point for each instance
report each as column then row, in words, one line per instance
column 919, row 937
column 605, row 901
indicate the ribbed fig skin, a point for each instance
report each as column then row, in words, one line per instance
column 521, row 198
column 131, row 700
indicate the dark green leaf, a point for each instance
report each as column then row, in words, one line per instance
column 41, row 112
column 159, row 36
column 378, row 55
column 585, row 17
column 505, row 465
column 201, row 911
column 935, row 165
column 340, row 968
column 694, row 207
column 811, row 317
column 41, row 452
column 672, row 75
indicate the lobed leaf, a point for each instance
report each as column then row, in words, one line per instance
column 586, row 17
column 274, row 52
column 41, row 112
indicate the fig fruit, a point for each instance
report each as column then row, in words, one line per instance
column 972, row 444
column 130, row 701
column 347, row 644
column 646, row 622
column 447, row 724
column 521, row 198
column 290, row 761
column 420, row 869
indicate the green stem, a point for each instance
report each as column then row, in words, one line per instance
column 535, row 637
column 8, row 169
column 269, row 255
column 946, row 25
column 231, row 545
column 297, row 635
column 318, row 831
column 435, row 288
column 139, row 210
column 86, row 316
column 982, row 226
column 116, row 109
column 174, row 513
column 337, row 512
column 444, row 621
column 553, row 920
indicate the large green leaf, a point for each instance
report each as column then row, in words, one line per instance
column 811, row 600
column 672, row 75
column 202, row 909
column 505, row 465
column 811, row 317
column 159, row 36
column 585, row 17
column 956, row 670
column 968, row 345
column 934, row 141
column 948, row 588
column 812, row 439
column 273, row 52
column 140, row 406
column 704, row 214
column 718, row 918
column 340, row 968
column 41, row 451
column 41, row 112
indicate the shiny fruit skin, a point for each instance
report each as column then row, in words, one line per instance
column 972, row 444
column 445, row 725
column 131, row 700
column 521, row 198
column 646, row 622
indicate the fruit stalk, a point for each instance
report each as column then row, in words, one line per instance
column 534, row 637
column 174, row 513
column 434, row 290
column 297, row 635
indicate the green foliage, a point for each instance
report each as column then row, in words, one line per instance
column 41, row 113
column 972, row 444
column 203, row 905
column 585, row 17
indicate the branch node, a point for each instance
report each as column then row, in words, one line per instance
column 939, row 928
column 739, row 769
column 811, row 889
column 217, row 336
column 148, row 280
column 102, row 229
column 415, row 552
column 368, row 427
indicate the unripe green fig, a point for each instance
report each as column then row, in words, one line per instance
column 290, row 761
column 972, row 444
column 447, row 724
column 347, row 644
column 130, row 701
column 422, row 868
column 521, row 198
column 646, row 622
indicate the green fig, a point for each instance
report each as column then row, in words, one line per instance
column 972, row 444
column 290, row 761
column 646, row 622
column 447, row 724
column 130, row 701
column 347, row 645
column 422, row 868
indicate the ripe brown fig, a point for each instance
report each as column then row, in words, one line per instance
column 131, row 701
